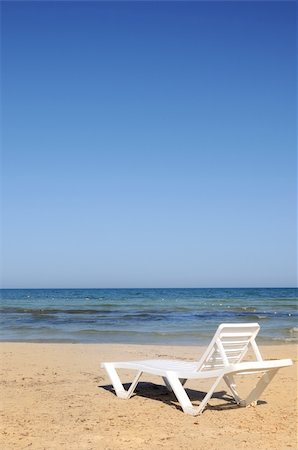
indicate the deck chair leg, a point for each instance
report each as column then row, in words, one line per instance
column 208, row 395
column 168, row 386
column 175, row 384
column 182, row 381
column 255, row 394
column 118, row 386
column 183, row 398
column 230, row 382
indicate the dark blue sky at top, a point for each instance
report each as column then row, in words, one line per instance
column 149, row 144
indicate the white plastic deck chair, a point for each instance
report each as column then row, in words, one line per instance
column 223, row 359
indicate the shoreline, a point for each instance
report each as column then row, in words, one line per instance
column 55, row 396
column 260, row 342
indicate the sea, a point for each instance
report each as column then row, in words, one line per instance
column 144, row 316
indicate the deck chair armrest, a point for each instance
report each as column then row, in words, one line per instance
column 258, row 366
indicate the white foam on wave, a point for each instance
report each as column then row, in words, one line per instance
column 294, row 330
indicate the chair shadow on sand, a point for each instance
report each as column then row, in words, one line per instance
column 160, row 393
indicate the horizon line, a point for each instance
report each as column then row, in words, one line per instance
column 131, row 288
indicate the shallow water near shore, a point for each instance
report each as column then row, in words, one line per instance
column 151, row 316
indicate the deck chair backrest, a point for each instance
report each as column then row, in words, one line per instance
column 229, row 345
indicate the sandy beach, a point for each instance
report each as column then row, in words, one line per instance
column 55, row 396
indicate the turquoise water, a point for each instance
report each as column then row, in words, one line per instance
column 155, row 316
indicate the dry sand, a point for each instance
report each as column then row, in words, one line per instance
column 55, row 396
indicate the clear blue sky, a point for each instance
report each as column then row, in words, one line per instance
column 149, row 144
